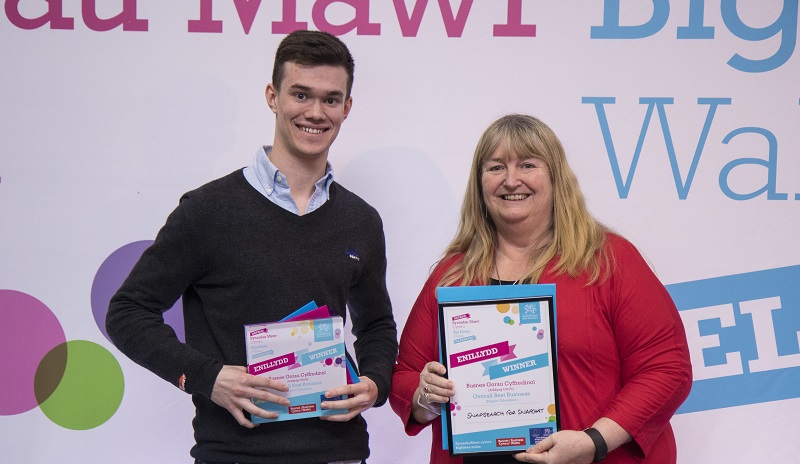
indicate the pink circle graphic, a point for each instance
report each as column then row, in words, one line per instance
column 28, row 331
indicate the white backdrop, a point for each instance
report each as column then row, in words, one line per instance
column 680, row 118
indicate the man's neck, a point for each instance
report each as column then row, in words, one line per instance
column 301, row 175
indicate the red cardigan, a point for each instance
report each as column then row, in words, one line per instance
column 622, row 354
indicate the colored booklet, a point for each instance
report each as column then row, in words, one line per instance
column 498, row 344
column 311, row 311
column 308, row 355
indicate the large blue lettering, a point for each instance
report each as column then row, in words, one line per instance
column 682, row 186
column 784, row 25
column 696, row 29
column 611, row 28
column 771, row 163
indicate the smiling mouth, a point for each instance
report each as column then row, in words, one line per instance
column 311, row 130
column 515, row 197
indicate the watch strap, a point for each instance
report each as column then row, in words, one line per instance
column 600, row 446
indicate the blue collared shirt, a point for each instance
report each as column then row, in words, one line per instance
column 265, row 177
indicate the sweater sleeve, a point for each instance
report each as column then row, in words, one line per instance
column 135, row 320
column 373, row 322
column 418, row 346
column 656, row 372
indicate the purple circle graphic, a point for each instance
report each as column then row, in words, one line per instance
column 28, row 331
column 112, row 274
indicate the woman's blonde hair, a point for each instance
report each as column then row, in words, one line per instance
column 577, row 238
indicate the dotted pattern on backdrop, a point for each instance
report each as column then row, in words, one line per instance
column 77, row 384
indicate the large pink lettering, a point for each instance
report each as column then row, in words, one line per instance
column 127, row 18
column 289, row 21
column 206, row 23
column 54, row 16
column 409, row 25
column 453, row 24
column 409, row 14
column 513, row 26
column 247, row 9
column 360, row 21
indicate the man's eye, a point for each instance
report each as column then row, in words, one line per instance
column 332, row 101
column 300, row 96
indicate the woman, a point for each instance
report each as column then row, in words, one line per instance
column 623, row 361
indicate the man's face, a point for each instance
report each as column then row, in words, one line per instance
column 309, row 108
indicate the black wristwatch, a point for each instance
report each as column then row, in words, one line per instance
column 600, row 447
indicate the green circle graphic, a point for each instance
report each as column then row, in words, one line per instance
column 90, row 390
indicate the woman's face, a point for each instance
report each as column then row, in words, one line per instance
column 517, row 192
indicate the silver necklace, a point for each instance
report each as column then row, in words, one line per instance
column 497, row 272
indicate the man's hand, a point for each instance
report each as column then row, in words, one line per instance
column 234, row 389
column 365, row 393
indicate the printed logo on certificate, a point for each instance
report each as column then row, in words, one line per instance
column 498, row 344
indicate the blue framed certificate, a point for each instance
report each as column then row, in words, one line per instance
column 498, row 344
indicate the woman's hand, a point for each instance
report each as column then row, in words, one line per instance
column 575, row 446
column 564, row 447
column 433, row 390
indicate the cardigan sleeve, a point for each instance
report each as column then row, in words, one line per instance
column 418, row 346
column 656, row 373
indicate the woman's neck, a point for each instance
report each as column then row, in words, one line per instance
column 512, row 257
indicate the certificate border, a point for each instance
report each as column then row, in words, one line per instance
column 477, row 295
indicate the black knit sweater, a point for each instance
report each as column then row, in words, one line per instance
column 237, row 258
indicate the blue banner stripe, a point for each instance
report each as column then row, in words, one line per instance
column 518, row 366
column 743, row 336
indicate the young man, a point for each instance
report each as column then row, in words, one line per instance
column 252, row 247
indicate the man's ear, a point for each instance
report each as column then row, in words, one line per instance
column 348, row 105
column 271, row 94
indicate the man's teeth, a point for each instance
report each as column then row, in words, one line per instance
column 518, row 196
column 310, row 130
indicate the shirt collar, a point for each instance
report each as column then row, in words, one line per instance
column 271, row 178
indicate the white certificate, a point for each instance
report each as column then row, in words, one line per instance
column 307, row 355
column 498, row 344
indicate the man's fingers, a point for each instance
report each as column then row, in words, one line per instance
column 344, row 390
column 239, row 416
column 266, row 382
column 347, row 403
column 343, row 417
column 266, row 395
column 254, row 410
